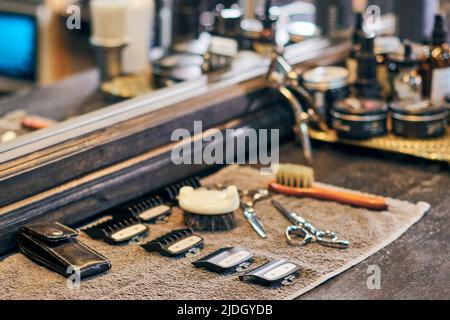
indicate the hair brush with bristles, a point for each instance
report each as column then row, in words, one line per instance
column 298, row 181
column 209, row 210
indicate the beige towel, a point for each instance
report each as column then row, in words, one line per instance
column 137, row 274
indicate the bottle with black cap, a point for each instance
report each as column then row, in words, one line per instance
column 225, row 38
column 367, row 85
column 358, row 33
column 227, row 20
column 439, row 61
column 267, row 39
column 407, row 83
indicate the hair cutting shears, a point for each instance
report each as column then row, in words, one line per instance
column 303, row 232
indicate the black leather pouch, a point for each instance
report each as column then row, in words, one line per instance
column 55, row 246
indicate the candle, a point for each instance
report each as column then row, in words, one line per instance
column 109, row 22
column 139, row 32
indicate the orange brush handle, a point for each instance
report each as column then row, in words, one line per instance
column 353, row 199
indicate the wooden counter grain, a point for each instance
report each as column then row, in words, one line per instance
column 417, row 265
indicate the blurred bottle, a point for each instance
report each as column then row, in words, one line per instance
column 163, row 24
column 367, row 85
column 266, row 42
column 415, row 18
column 135, row 57
column 334, row 17
column 186, row 22
column 358, row 33
column 438, row 85
column 407, row 82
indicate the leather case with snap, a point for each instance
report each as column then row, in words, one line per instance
column 55, row 246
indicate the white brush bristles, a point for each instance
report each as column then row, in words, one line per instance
column 297, row 176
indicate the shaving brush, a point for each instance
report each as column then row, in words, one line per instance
column 209, row 210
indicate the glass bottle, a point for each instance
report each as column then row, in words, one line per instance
column 408, row 82
column 352, row 62
column 439, row 62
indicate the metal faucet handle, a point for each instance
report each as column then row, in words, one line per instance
column 281, row 74
column 302, row 118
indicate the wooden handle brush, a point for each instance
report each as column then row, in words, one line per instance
column 298, row 181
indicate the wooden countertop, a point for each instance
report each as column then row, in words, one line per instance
column 413, row 267
column 416, row 265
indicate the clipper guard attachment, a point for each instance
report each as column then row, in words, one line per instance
column 226, row 260
column 117, row 231
column 177, row 243
column 274, row 273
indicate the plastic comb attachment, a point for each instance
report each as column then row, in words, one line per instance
column 176, row 243
column 149, row 210
column 277, row 272
column 117, row 231
column 226, row 260
column 172, row 191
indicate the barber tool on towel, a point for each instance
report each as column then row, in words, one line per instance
column 248, row 208
column 226, row 260
column 209, row 210
column 117, row 230
column 150, row 210
column 273, row 273
column 56, row 247
column 175, row 244
column 303, row 232
column 128, row 221
column 155, row 207
column 298, row 181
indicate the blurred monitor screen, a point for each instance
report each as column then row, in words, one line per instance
column 18, row 46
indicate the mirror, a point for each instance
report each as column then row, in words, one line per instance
column 63, row 67
column 67, row 71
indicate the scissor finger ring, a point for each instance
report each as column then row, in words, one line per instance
column 298, row 236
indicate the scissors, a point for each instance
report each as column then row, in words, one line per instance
column 303, row 232
column 248, row 208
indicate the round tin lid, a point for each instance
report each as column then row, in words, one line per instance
column 326, row 78
column 355, row 106
column 186, row 73
column 386, row 45
column 251, row 28
column 300, row 30
column 423, row 107
column 418, row 53
column 179, row 60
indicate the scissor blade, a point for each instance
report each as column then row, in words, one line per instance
column 255, row 223
column 284, row 211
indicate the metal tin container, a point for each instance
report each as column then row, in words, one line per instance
column 360, row 118
column 384, row 46
column 418, row 55
column 302, row 30
column 418, row 120
column 176, row 68
column 251, row 31
column 326, row 86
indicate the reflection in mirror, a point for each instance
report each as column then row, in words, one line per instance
column 136, row 46
column 106, row 51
